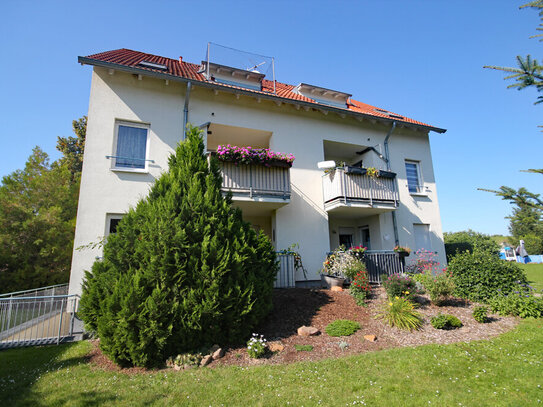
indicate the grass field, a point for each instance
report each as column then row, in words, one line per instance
column 505, row 371
column 534, row 272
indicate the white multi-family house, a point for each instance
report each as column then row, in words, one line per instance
column 139, row 106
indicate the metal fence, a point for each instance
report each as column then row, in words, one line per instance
column 36, row 320
column 382, row 262
column 286, row 277
column 58, row 289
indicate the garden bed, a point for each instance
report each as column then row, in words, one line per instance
column 314, row 307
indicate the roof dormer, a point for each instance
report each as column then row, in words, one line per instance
column 232, row 76
column 323, row 95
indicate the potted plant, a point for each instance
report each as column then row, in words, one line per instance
column 330, row 275
column 402, row 251
column 341, row 265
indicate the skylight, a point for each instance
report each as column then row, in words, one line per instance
column 148, row 64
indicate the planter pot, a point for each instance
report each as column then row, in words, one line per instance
column 403, row 254
column 333, row 281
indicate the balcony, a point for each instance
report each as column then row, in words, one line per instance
column 349, row 187
column 256, row 183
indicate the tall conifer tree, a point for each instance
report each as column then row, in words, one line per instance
column 183, row 270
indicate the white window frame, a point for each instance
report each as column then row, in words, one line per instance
column 139, row 125
column 109, row 218
column 421, row 190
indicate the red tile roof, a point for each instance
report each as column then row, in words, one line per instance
column 178, row 68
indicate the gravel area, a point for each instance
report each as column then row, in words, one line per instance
column 317, row 307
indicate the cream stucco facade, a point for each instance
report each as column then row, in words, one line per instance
column 312, row 135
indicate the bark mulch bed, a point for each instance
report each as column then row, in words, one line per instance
column 316, row 307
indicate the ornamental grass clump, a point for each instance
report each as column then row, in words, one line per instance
column 400, row 313
column 182, row 272
column 342, row 327
column 445, row 321
column 257, row 346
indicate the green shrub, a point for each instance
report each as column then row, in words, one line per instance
column 518, row 303
column 469, row 240
column 257, row 346
column 439, row 287
column 342, row 327
column 399, row 285
column 480, row 314
column 445, row 321
column 360, row 287
column 353, row 268
column 400, row 312
column 481, row 275
column 183, row 270
column 303, row 348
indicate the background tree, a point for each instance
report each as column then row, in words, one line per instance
column 72, row 148
column 38, row 206
column 183, row 271
column 529, row 72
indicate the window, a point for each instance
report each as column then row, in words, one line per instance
column 422, row 236
column 346, row 237
column 112, row 221
column 413, row 177
column 131, row 149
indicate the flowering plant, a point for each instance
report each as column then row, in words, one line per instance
column 372, row 172
column 358, row 249
column 402, row 249
column 360, row 287
column 399, row 285
column 257, row 346
column 425, row 261
column 249, row 155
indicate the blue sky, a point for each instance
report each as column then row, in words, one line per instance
column 422, row 59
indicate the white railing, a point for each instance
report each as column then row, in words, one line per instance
column 37, row 320
column 255, row 180
column 58, row 289
column 361, row 188
column 286, row 277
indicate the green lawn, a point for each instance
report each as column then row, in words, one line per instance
column 505, row 371
column 534, row 272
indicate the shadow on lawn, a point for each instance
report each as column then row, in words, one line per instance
column 21, row 369
column 292, row 308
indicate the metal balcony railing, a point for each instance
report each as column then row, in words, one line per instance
column 344, row 187
column 255, row 181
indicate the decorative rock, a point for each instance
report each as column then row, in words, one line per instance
column 276, row 347
column 206, row 360
column 307, row 331
column 213, row 349
column 217, row 354
column 177, row 367
column 336, row 288
column 370, row 338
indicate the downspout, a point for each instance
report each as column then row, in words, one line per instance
column 186, row 109
column 387, row 157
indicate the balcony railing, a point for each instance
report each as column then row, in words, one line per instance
column 255, row 181
column 346, row 186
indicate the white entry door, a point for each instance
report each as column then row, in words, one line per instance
column 422, row 237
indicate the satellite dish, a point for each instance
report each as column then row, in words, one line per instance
column 323, row 165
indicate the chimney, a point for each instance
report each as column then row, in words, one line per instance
column 181, row 60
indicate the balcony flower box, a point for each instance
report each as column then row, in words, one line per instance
column 257, row 156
